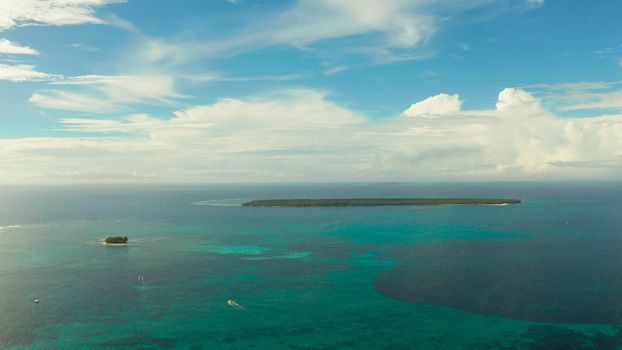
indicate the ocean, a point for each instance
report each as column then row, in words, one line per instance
column 203, row 272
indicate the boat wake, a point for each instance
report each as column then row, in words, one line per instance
column 235, row 305
column 8, row 227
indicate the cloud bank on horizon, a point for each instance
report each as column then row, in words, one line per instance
column 402, row 90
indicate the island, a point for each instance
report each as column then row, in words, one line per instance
column 116, row 240
column 366, row 202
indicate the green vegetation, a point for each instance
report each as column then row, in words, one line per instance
column 116, row 240
column 348, row 202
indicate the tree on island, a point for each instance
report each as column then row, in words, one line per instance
column 116, row 240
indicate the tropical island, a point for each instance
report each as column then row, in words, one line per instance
column 116, row 240
column 365, row 202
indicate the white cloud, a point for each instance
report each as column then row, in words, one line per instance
column 221, row 78
column 336, row 69
column 107, row 93
column 441, row 104
column 294, row 110
column 9, row 47
column 315, row 20
column 379, row 32
column 15, row 13
column 574, row 87
column 517, row 100
column 604, row 100
column 22, row 72
column 128, row 88
column 70, row 101
column 521, row 139
column 394, row 30
column 253, row 136
column 301, row 135
column 582, row 96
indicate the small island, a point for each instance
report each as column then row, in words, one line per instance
column 365, row 202
column 116, row 240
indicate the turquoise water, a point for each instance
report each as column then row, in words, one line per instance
column 544, row 274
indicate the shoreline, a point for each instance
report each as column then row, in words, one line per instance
column 366, row 202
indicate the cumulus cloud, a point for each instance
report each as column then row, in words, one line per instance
column 255, row 138
column 9, row 47
column 277, row 115
column 22, row 72
column 97, row 93
column 519, row 139
column 301, row 135
column 517, row 100
column 441, row 104
column 15, row 13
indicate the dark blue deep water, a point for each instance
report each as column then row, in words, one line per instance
column 543, row 274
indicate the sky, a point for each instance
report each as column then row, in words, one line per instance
column 249, row 91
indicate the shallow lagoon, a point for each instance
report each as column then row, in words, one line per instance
column 310, row 278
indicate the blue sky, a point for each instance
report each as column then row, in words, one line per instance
column 357, row 90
